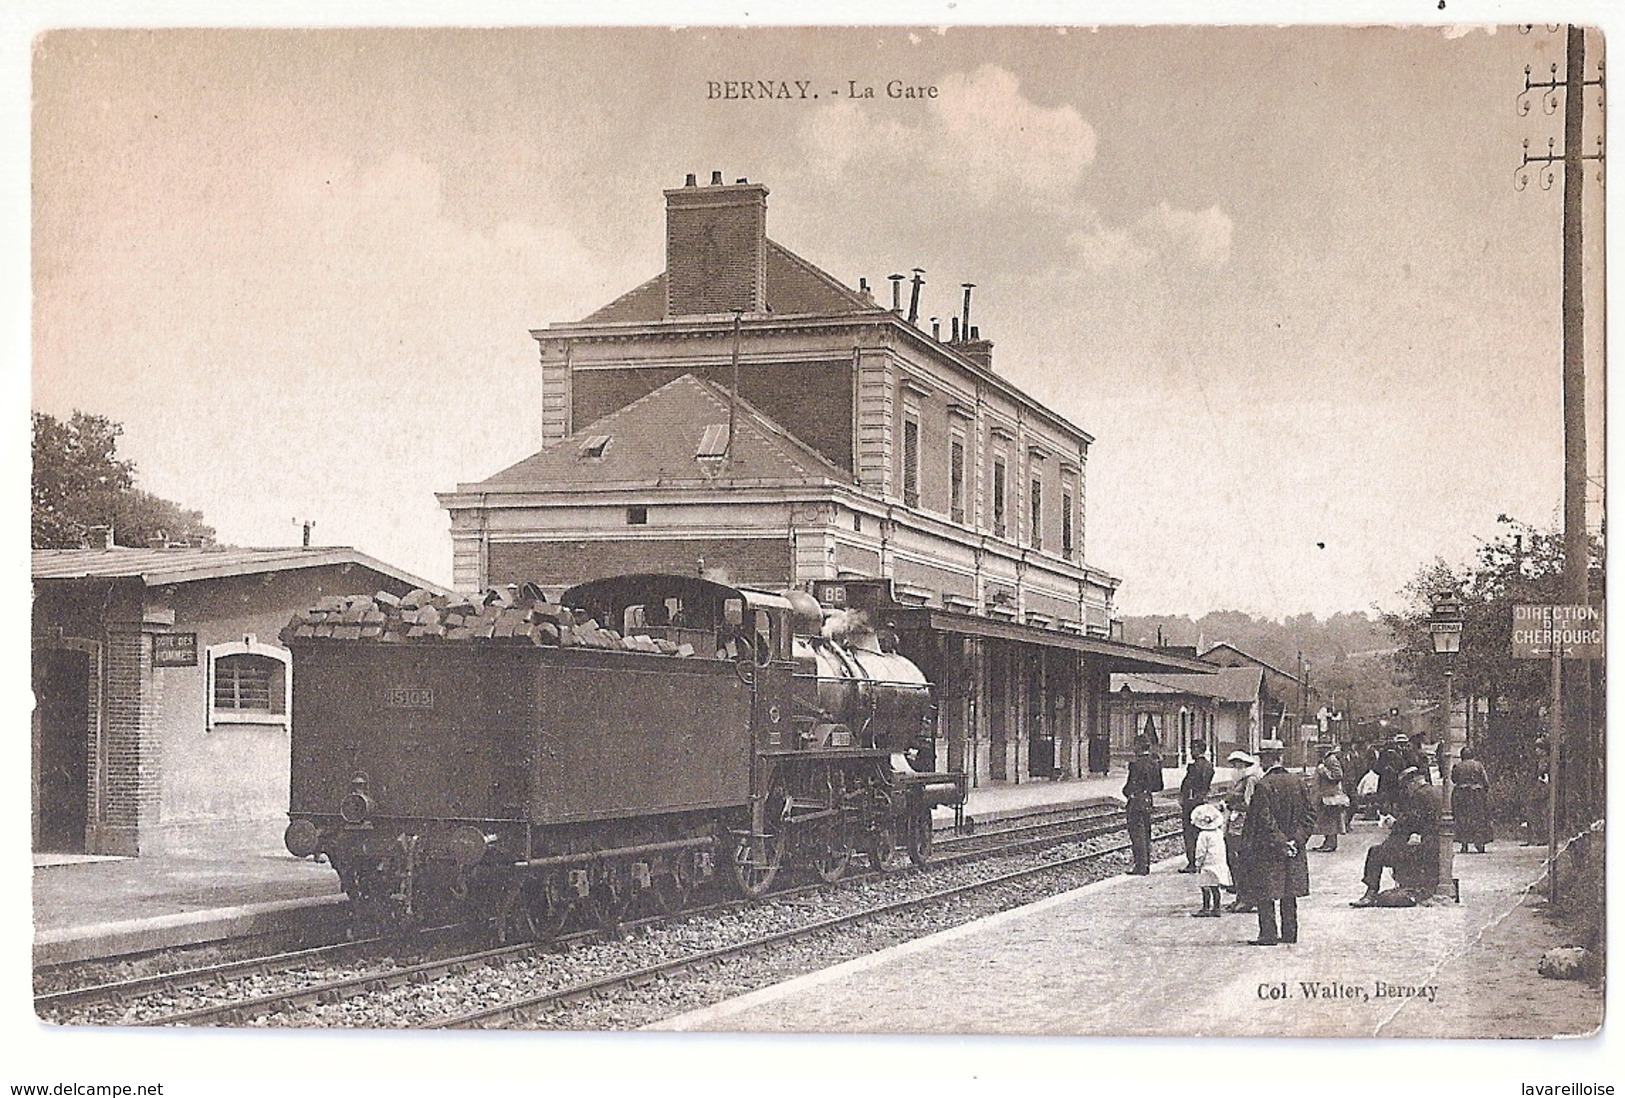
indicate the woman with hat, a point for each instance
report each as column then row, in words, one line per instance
column 1471, row 801
column 1330, row 800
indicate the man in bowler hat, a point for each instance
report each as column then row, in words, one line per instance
column 1278, row 825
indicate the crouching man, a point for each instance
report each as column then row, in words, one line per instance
column 1411, row 849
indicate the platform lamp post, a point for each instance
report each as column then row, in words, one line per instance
column 1445, row 626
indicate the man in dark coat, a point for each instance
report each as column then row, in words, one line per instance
column 1278, row 825
column 1388, row 771
column 1144, row 779
column 1414, row 756
column 1420, row 808
column 1192, row 792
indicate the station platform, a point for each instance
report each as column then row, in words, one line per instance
column 96, row 907
column 104, row 907
column 1123, row 957
column 993, row 801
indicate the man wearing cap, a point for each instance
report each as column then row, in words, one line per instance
column 1192, row 792
column 1144, row 779
column 1277, row 830
column 1420, row 809
column 1248, row 773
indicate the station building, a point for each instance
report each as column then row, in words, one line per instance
column 1241, row 701
column 162, row 693
column 746, row 416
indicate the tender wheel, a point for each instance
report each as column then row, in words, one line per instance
column 668, row 892
column 753, row 881
column 543, row 911
column 610, row 899
column 919, row 835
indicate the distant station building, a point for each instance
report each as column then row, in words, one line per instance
column 162, row 694
column 1283, row 701
column 746, row 416
column 1222, row 709
column 1234, row 706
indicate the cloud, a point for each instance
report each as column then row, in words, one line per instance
column 1192, row 238
column 980, row 132
column 991, row 158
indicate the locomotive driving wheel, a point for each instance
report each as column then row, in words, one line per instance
column 752, row 880
column 880, row 847
column 753, row 877
column 919, row 833
column 831, row 857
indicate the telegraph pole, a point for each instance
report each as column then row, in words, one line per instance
column 1584, row 746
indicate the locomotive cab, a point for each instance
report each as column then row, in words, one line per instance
column 710, row 618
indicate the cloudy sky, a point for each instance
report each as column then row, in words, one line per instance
column 1282, row 275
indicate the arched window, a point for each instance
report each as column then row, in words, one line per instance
column 249, row 683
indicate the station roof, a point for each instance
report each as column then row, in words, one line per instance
column 1226, row 646
column 1225, row 684
column 1117, row 655
column 160, row 567
column 794, row 287
column 672, row 437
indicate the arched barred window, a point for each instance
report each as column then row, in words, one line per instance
column 249, row 683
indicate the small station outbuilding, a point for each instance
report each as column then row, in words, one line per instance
column 162, row 694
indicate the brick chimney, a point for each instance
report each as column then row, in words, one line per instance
column 716, row 248
column 977, row 349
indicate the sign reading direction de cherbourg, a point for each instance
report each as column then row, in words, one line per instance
column 1578, row 629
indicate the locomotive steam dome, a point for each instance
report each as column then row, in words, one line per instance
column 881, row 698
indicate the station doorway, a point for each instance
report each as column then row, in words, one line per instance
column 61, row 681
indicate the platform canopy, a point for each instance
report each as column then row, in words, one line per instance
column 1117, row 655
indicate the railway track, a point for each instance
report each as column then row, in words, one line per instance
column 518, row 1011
column 229, row 993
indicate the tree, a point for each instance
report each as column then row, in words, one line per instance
column 1350, row 655
column 80, row 481
column 1521, row 565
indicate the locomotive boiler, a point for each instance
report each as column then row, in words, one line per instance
column 547, row 762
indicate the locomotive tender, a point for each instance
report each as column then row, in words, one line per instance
column 545, row 763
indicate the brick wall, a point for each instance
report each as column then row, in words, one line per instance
column 811, row 400
column 716, row 249
column 757, row 561
column 128, row 791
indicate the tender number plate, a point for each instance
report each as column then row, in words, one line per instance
column 409, row 697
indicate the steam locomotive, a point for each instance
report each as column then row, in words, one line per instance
column 542, row 763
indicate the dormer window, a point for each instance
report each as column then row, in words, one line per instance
column 714, row 443
column 593, row 447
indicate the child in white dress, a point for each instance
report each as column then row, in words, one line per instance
column 1210, row 857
